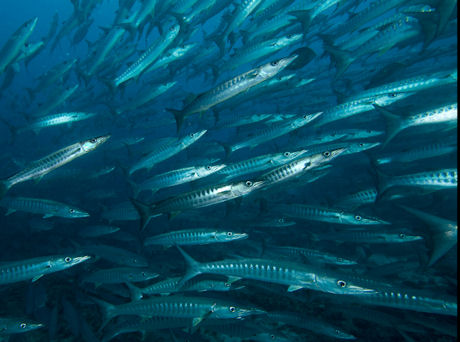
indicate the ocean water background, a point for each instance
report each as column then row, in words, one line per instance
column 21, row 239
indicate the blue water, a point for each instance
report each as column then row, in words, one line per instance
column 63, row 304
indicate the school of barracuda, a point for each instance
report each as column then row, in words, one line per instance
column 230, row 170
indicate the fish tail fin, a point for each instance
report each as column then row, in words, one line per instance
column 394, row 124
column 144, row 212
column 135, row 292
column 193, row 268
column 443, row 232
column 178, row 116
column 342, row 59
column 107, row 310
column 4, row 187
column 382, row 183
column 304, row 17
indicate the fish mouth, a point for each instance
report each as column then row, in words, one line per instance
column 102, row 139
column 80, row 259
column 240, row 236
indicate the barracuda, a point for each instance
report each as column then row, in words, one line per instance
column 13, row 46
column 41, row 206
column 323, row 214
column 195, row 199
column 446, row 114
column 10, row 326
column 272, row 132
column 149, row 56
column 429, row 180
column 176, row 177
column 16, row 271
column 371, row 237
column 198, row 236
column 312, row 255
column 37, row 169
column 298, row 167
column 119, row 275
column 231, row 88
column 166, row 149
column 55, row 120
column 259, row 163
column 196, row 308
column 295, row 276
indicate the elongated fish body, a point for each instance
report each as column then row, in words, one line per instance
column 10, row 325
column 13, row 46
column 241, row 13
column 119, row 275
column 16, row 271
column 418, row 153
column 193, row 237
column 57, row 119
column 178, row 306
column 412, row 84
column 351, row 108
column 115, row 255
column 260, row 49
column 298, row 167
column 41, row 206
column 313, row 255
column 414, row 300
column 148, row 57
column 58, row 98
column 273, row 131
column 430, row 180
column 165, row 150
column 195, row 199
column 350, row 147
column 259, row 163
column 296, row 276
column 323, row 214
column 372, row 237
column 171, row 56
column 97, row 230
column 310, row 323
column 177, row 177
column 232, row 88
column 41, row 167
column 233, row 120
column 171, row 285
column 358, row 199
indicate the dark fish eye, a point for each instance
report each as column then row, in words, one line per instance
column 229, row 234
column 275, row 63
column 361, row 144
column 191, row 135
column 289, row 35
column 402, row 235
column 227, row 284
column 358, row 218
column 342, row 283
column 248, row 183
column 23, row 325
column 93, row 141
column 326, row 154
column 286, row 154
column 272, row 337
column 232, row 309
column 68, row 259
column 208, row 167
column 392, row 95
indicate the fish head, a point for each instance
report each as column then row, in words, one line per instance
column 389, row 98
column 135, row 261
column 358, row 219
column 230, row 236
column 145, row 274
column 66, row 261
column 210, row 169
column 344, row 262
column 29, row 25
column 271, row 69
column 342, row 284
column 403, row 237
column 192, row 137
column 245, row 187
column 234, row 311
column 73, row 212
column 326, row 156
column 20, row 326
column 288, row 39
column 288, row 156
column 281, row 222
column 91, row 144
column 339, row 334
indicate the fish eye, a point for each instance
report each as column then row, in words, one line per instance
column 208, row 167
column 227, row 284
column 23, row 325
column 171, row 28
column 248, row 183
column 286, row 154
column 392, row 95
column 191, row 135
column 68, row 259
column 281, row 220
column 361, row 144
column 272, row 337
column 135, row 261
column 358, row 218
column 275, row 63
column 341, row 283
column 327, row 154
column 232, row 309
column 71, row 210
column 402, row 235
column 93, row 141
column 289, row 35
column 229, row 233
